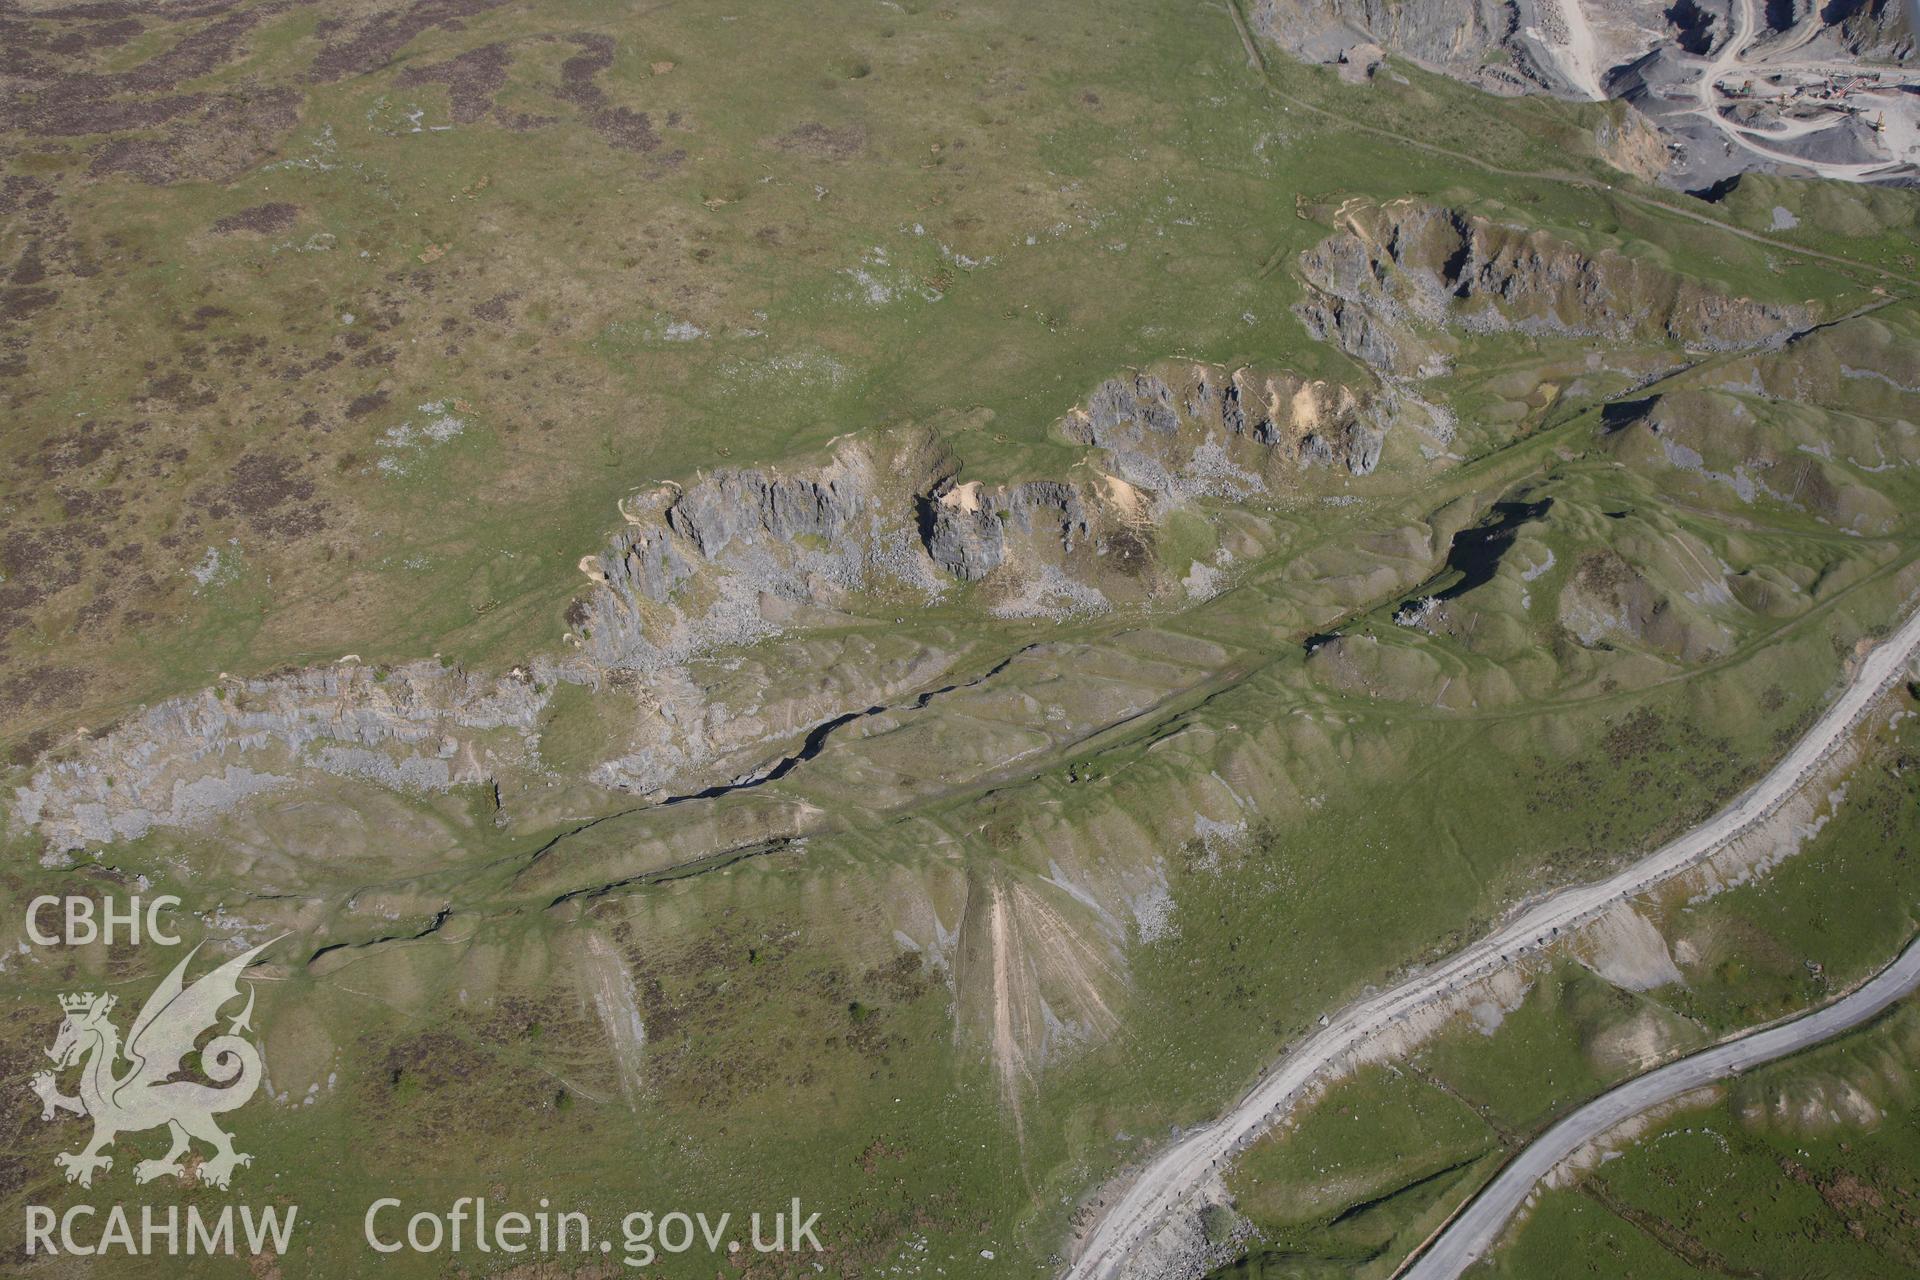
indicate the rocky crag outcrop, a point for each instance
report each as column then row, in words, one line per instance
column 885, row 521
column 730, row 558
column 968, row 529
column 1390, row 287
column 1227, row 435
column 739, row 554
column 419, row 726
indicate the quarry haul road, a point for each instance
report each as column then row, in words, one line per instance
column 1159, row 1189
column 1477, row 1229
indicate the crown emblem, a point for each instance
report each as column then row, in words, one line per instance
column 80, row 1001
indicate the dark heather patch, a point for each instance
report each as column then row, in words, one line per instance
column 266, row 490
column 471, row 80
column 578, row 72
column 80, row 448
column 39, row 561
column 196, row 54
column 94, row 614
column 262, row 219
column 526, row 122
column 178, row 390
column 50, row 117
column 29, row 269
column 375, row 41
column 361, row 406
column 630, row 130
column 225, row 137
column 31, row 747
column 104, row 35
column 19, row 193
column 42, row 688
column 621, row 126
column 19, row 304
column 494, row 309
column 69, row 102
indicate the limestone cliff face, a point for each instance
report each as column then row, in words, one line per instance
column 735, row 556
column 744, row 504
column 421, row 726
column 1226, row 433
column 884, row 521
column 738, row 553
column 968, row 528
column 1387, row 287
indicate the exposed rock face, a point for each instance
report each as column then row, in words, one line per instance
column 1633, row 145
column 1877, row 29
column 737, row 556
column 746, row 503
column 731, row 557
column 739, row 553
column 1406, row 267
column 967, row 528
column 1452, row 36
column 650, row 564
column 421, row 726
column 745, row 554
column 1225, row 434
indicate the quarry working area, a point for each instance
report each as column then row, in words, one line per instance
column 1790, row 98
column 1720, row 87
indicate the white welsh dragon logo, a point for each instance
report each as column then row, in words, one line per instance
column 145, row 1095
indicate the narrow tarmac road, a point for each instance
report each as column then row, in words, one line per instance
column 1170, row 1180
column 1471, row 1235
